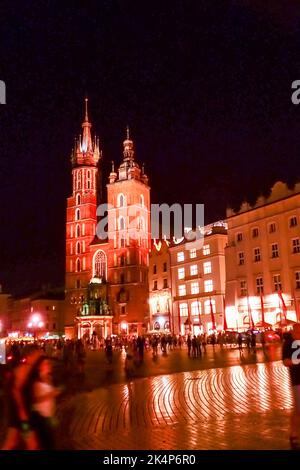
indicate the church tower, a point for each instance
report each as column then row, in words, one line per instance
column 81, row 220
column 128, row 197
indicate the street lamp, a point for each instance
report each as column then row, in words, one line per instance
column 35, row 323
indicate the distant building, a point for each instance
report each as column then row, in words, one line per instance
column 5, row 306
column 198, row 283
column 40, row 314
column 263, row 260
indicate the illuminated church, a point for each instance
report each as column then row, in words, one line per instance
column 106, row 278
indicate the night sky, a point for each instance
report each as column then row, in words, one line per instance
column 204, row 85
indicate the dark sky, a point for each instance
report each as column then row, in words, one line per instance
column 204, row 85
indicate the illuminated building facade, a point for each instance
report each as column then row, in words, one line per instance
column 198, row 283
column 263, row 260
column 160, row 300
column 46, row 306
column 5, row 306
column 107, row 278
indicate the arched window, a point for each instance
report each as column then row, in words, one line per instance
column 78, row 266
column 78, row 231
column 77, row 214
column 142, row 224
column 89, row 175
column 88, row 184
column 121, row 223
column 100, row 264
column 142, row 200
column 77, row 248
column 78, row 199
column 79, row 180
column 121, row 200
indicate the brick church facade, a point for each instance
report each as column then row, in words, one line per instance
column 106, row 274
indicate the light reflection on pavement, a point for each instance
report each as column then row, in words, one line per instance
column 238, row 407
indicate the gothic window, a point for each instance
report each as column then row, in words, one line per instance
column 78, row 231
column 100, row 264
column 141, row 224
column 77, row 248
column 78, row 199
column 121, row 223
column 77, row 214
column 79, row 180
column 121, row 200
column 78, row 265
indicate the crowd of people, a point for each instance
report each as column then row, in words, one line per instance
column 30, row 393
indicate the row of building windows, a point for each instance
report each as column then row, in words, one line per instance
column 195, row 308
column 274, row 251
column 165, row 284
column 121, row 200
column 78, row 184
column 79, row 266
column 272, row 228
column 259, row 284
column 100, row 263
column 124, row 240
column 78, row 231
column 194, row 287
column 165, row 267
column 121, row 224
column 48, row 307
column 181, row 255
column 181, row 272
column 79, row 248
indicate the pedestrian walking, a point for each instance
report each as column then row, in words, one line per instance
column 198, row 343
column 189, row 345
column 194, row 346
column 108, row 350
column 253, row 342
column 240, row 341
column 80, row 355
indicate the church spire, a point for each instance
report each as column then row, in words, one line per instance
column 86, row 151
column 128, row 151
column 86, row 143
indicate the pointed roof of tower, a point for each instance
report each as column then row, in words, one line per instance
column 86, row 150
column 129, row 168
column 86, row 143
column 128, row 148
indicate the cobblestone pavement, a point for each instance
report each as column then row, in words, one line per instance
column 238, row 407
